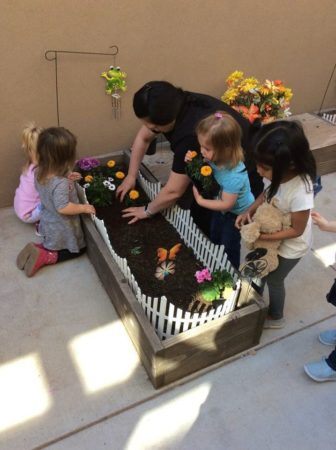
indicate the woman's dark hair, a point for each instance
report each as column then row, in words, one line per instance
column 158, row 101
column 283, row 146
column 56, row 153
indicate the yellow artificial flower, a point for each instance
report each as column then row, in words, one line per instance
column 206, row 171
column 264, row 90
column 248, row 84
column 111, row 163
column 288, row 94
column 133, row 194
column 230, row 95
column 88, row 179
column 120, row 175
column 234, row 77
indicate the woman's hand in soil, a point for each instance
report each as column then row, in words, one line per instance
column 136, row 213
column 126, row 185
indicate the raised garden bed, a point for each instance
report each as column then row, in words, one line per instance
column 181, row 341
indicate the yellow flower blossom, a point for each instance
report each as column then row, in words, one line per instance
column 234, row 77
column 133, row 194
column 120, row 175
column 230, row 95
column 288, row 94
column 206, row 171
column 88, row 179
column 111, row 163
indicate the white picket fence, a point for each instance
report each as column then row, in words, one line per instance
column 166, row 318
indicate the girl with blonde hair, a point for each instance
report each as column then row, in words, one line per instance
column 27, row 205
column 219, row 136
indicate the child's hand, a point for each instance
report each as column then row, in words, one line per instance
column 74, row 176
column 88, row 209
column 242, row 219
column 319, row 220
column 199, row 199
column 189, row 155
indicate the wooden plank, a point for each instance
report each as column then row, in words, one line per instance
column 212, row 342
column 322, row 140
column 209, row 343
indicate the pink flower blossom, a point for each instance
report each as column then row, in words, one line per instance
column 203, row 275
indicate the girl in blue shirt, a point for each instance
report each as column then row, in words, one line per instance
column 219, row 136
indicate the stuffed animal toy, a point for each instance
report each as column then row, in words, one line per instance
column 264, row 255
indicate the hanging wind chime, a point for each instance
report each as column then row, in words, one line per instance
column 115, row 85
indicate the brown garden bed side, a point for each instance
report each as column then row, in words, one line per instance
column 128, row 308
column 188, row 352
column 214, row 341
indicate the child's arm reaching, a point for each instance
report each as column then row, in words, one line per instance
column 226, row 202
column 323, row 223
column 299, row 221
column 71, row 209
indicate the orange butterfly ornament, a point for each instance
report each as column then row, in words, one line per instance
column 163, row 254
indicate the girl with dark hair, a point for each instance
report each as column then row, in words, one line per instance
column 288, row 167
column 164, row 108
column 60, row 225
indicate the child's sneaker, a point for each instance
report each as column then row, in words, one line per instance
column 320, row 371
column 271, row 324
column 33, row 257
column 328, row 337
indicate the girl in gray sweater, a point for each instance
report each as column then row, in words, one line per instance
column 60, row 227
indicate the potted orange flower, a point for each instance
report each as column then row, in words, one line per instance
column 201, row 175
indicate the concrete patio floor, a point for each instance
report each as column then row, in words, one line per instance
column 71, row 379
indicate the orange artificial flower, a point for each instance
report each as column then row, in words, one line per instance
column 277, row 82
column 133, row 194
column 88, row 179
column 206, row 171
column 120, row 175
column 251, row 113
column 192, row 154
column 111, row 163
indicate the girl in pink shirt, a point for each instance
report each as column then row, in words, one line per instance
column 27, row 203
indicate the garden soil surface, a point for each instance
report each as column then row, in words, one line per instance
column 139, row 243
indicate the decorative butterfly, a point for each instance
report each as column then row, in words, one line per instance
column 165, row 269
column 163, row 253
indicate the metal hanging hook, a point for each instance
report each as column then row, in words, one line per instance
column 51, row 55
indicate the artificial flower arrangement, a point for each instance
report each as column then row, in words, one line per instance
column 101, row 180
column 212, row 285
column 265, row 101
column 201, row 175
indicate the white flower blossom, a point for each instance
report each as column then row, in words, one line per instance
column 86, row 185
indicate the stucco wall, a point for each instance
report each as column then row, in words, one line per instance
column 192, row 43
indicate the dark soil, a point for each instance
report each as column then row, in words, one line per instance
column 147, row 236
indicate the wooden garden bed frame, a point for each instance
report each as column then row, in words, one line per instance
column 169, row 360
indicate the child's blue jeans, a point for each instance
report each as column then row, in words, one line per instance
column 224, row 232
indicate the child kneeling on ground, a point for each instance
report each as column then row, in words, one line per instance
column 60, row 225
